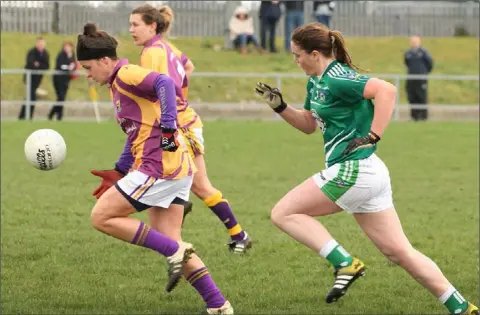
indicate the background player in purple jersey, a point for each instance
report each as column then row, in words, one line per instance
column 161, row 169
column 148, row 27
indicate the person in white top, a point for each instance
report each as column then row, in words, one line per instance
column 242, row 31
column 323, row 11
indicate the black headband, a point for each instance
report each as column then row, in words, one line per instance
column 94, row 53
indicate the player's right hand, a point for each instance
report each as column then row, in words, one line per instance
column 272, row 97
column 109, row 178
column 367, row 141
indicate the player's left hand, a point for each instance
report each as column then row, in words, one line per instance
column 272, row 97
column 361, row 143
column 180, row 102
column 109, row 178
column 169, row 141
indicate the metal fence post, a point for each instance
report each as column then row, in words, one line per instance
column 397, row 99
column 28, row 84
column 308, row 12
column 279, row 83
column 56, row 17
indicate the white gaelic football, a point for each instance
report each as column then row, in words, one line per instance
column 45, row 149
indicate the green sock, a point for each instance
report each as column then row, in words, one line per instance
column 454, row 301
column 336, row 254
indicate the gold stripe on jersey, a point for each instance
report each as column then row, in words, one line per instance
column 132, row 74
column 155, row 58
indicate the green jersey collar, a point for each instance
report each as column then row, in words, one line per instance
column 329, row 66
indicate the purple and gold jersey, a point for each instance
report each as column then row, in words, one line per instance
column 143, row 100
column 183, row 60
column 162, row 57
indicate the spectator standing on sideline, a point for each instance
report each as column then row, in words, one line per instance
column 323, row 11
column 65, row 62
column 418, row 61
column 269, row 14
column 241, row 30
column 37, row 59
column 294, row 18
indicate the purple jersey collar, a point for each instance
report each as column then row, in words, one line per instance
column 153, row 40
column 120, row 63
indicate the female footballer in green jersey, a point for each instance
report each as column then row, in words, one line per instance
column 352, row 111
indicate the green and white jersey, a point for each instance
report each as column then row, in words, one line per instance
column 336, row 102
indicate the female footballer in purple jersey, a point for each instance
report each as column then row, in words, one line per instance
column 352, row 111
column 148, row 27
column 161, row 172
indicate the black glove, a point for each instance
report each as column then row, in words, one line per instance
column 272, row 96
column 169, row 141
column 361, row 143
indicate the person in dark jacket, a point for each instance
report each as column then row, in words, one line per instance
column 323, row 11
column 269, row 15
column 418, row 61
column 37, row 59
column 294, row 18
column 65, row 62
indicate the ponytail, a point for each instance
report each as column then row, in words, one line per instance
column 167, row 13
column 316, row 36
column 340, row 51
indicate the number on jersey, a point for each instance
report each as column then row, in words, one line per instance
column 180, row 69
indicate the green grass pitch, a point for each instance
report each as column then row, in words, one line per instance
column 54, row 262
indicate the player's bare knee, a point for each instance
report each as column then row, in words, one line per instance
column 201, row 192
column 203, row 189
column 398, row 254
column 99, row 218
column 96, row 219
column 277, row 216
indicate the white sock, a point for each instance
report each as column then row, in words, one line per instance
column 328, row 247
column 444, row 297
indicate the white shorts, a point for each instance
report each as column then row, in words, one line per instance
column 361, row 186
column 144, row 191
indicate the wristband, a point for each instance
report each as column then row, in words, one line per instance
column 280, row 108
column 374, row 136
column 119, row 170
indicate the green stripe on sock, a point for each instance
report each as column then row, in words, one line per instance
column 456, row 304
column 339, row 257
